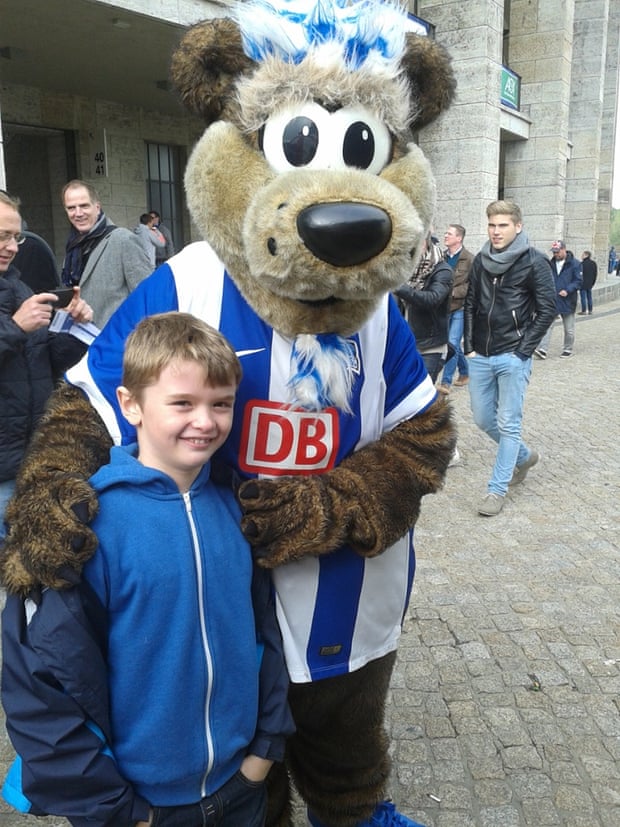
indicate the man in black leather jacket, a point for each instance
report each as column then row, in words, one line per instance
column 510, row 304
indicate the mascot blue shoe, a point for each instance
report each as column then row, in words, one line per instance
column 385, row 815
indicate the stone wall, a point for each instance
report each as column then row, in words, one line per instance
column 122, row 191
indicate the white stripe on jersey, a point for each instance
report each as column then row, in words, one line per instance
column 80, row 376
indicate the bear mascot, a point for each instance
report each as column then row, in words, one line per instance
column 312, row 199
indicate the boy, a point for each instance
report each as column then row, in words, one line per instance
column 153, row 709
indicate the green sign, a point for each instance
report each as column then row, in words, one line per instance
column 511, row 88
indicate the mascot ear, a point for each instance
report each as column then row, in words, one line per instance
column 206, row 64
column 429, row 70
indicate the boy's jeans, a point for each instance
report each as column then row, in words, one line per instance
column 497, row 386
column 239, row 803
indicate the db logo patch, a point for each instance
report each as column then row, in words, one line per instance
column 278, row 440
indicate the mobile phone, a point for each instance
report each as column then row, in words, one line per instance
column 64, row 296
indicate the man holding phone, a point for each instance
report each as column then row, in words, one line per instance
column 32, row 359
column 107, row 261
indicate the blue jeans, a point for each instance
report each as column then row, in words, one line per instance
column 239, row 802
column 497, row 386
column 6, row 492
column 586, row 299
column 568, row 322
column 455, row 334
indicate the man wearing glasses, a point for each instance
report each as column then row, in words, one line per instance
column 31, row 358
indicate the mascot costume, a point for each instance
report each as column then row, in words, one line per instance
column 312, row 200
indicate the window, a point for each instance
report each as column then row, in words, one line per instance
column 164, row 187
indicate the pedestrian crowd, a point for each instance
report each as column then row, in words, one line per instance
column 501, row 313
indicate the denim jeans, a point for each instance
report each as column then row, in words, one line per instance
column 238, row 803
column 455, row 334
column 586, row 300
column 6, row 492
column 497, row 386
column 568, row 320
column 433, row 362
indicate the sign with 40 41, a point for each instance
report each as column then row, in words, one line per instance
column 97, row 153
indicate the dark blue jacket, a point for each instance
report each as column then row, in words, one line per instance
column 30, row 365
column 569, row 279
column 142, row 685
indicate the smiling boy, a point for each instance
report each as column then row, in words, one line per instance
column 189, row 706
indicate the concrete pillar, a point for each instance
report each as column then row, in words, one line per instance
column 535, row 175
column 588, row 186
column 463, row 145
column 609, row 136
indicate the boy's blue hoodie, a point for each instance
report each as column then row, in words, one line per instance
column 175, row 573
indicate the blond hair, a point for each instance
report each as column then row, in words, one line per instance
column 163, row 338
column 505, row 208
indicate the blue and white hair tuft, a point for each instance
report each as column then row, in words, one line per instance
column 367, row 32
column 322, row 369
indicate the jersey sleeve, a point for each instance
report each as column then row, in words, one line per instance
column 409, row 388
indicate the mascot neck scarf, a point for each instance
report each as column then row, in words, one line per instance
column 322, row 371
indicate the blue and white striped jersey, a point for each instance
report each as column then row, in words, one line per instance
column 337, row 611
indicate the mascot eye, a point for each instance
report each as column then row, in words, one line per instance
column 358, row 148
column 311, row 137
column 300, row 141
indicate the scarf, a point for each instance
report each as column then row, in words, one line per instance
column 429, row 259
column 496, row 262
column 80, row 246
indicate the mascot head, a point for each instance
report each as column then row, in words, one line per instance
column 307, row 182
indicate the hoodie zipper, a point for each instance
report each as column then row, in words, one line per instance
column 205, row 642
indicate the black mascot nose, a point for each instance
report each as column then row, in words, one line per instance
column 344, row 233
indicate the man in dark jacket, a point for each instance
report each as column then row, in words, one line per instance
column 567, row 277
column 509, row 306
column 31, row 358
column 589, row 272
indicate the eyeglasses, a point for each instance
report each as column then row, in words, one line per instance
column 7, row 235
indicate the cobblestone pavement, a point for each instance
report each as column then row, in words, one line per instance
column 505, row 703
column 504, row 707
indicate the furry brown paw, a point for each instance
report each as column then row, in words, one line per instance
column 285, row 519
column 49, row 540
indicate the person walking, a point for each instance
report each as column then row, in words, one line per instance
column 167, row 252
column 567, row 277
column 460, row 260
column 426, row 299
column 107, row 261
column 508, row 307
column 151, row 239
column 613, row 260
column 589, row 272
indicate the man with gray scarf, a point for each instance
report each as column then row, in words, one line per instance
column 510, row 304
